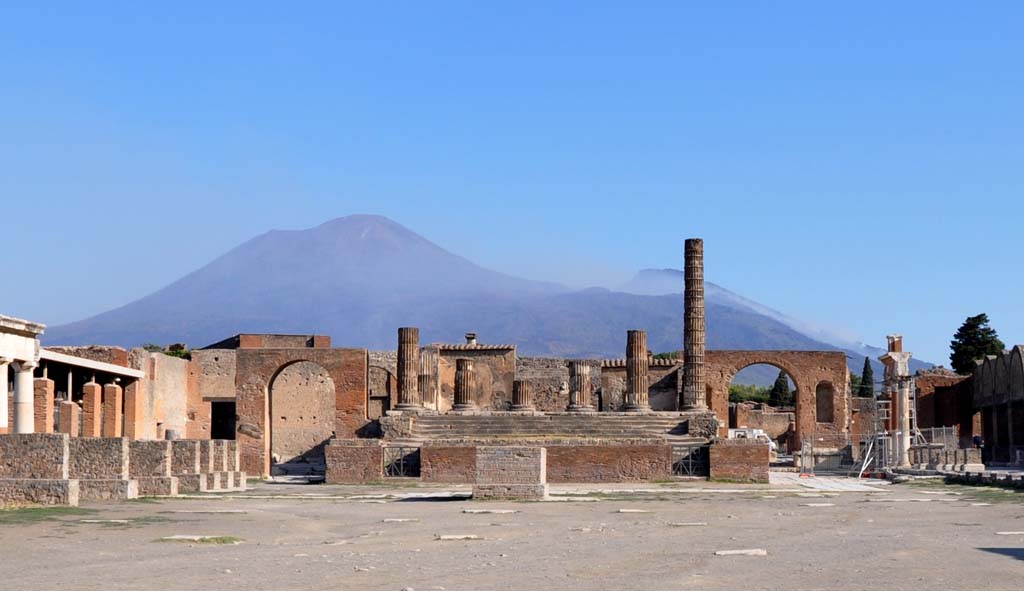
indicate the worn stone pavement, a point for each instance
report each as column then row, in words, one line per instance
column 345, row 537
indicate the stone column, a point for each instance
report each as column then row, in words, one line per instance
column 522, row 396
column 408, row 368
column 69, row 418
column 427, row 380
column 91, row 413
column 637, row 378
column 465, row 385
column 43, row 400
column 24, row 398
column 579, row 387
column 4, row 424
column 113, row 398
column 694, row 327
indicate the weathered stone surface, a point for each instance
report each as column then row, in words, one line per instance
column 408, row 368
column 149, row 459
column 70, row 418
column 185, row 457
column 522, row 396
column 113, row 400
column 192, row 483
column 608, row 463
column 580, row 387
column 43, row 405
column 510, row 472
column 96, row 458
column 637, row 378
column 158, row 486
column 447, row 464
column 354, row 461
column 693, row 394
column 739, row 460
column 34, row 455
column 92, row 413
column 33, row 491
column 107, row 490
column 465, row 385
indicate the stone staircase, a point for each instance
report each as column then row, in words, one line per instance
column 504, row 426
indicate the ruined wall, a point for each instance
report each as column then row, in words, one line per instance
column 256, row 368
column 354, row 461
column 98, row 458
column 383, row 382
column 494, row 367
column 739, row 460
column 101, row 353
column 448, row 464
column 547, row 374
column 301, row 411
column 758, row 416
column 862, row 422
column 663, row 392
column 150, row 459
column 166, row 388
column 929, row 410
column 34, row 455
column 609, row 463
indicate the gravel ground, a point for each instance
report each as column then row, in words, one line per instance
column 336, row 537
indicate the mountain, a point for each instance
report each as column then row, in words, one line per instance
column 671, row 281
column 359, row 278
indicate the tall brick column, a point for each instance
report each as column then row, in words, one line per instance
column 134, row 395
column 408, row 368
column 70, row 416
column 92, row 394
column 694, row 327
column 637, row 377
column 465, row 385
column 427, row 380
column 43, row 405
column 522, row 396
column 579, row 387
column 113, row 398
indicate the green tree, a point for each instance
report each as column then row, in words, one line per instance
column 780, row 394
column 867, row 380
column 973, row 340
column 747, row 393
column 854, row 384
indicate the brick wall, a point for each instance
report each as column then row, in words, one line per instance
column 34, row 455
column 609, row 463
column 354, row 461
column 448, row 465
column 739, row 460
column 99, row 458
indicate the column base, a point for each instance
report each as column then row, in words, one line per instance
column 523, row 408
column 636, row 408
column 580, row 409
column 464, row 408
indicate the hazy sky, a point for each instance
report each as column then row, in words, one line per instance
column 860, row 168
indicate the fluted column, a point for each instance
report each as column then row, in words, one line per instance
column 579, row 387
column 637, row 377
column 427, row 380
column 522, row 396
column 694, row 327
column 408, row 368
column 465, row 385
column 4, row 364
column 24, row 398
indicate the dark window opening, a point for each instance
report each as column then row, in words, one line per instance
column 222, row 420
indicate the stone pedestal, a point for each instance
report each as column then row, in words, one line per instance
column 465, row 385
column 522, row 396
column 579, row 387
column 637, row 378
column 408, row 369
column 694, row 328
column 510, row 473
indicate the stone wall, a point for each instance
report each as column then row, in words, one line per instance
column 776, row 425
column 34, row 455
column 663, row 393
column 383, row 383
column 97, row 458
column 185, row 457
column 609, row 463
column 166, row 392
column 354, row 461
column 17, row 492
column 546, row 376
column 101, row 353
column 448, row 464
column 150, row 459
column 301, row 412
column 494, row 369
column 739, row 460
column 510, row 473
column 214, row 371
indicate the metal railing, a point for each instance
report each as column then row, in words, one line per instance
column 690, row 460
column 401, row 462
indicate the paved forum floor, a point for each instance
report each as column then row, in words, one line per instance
column 342, row 537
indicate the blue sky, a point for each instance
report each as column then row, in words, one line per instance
column 859, row 167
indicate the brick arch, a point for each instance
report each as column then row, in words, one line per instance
column 255, row 372
column 1017, row 373
column 807, row 369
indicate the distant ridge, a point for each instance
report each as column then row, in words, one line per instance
column 358, row 278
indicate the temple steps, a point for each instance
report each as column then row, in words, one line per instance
column 552, row 426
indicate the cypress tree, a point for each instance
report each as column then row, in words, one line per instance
column 780, row 394
column 867, row 380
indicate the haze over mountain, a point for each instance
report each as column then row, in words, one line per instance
column 359, row 278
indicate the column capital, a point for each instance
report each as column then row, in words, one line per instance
column 28, row 365
column 5, row 360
